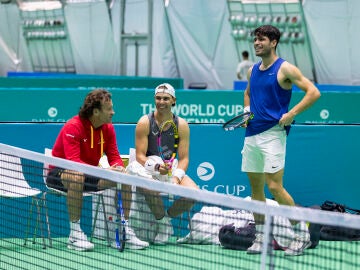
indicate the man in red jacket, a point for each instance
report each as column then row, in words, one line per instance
column 85, row 138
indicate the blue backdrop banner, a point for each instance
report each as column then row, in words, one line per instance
column 196, row 106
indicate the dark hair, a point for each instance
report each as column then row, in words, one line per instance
column 245, row 54
column 94, row 100
column 268, row 31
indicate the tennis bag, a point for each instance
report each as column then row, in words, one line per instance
column 237, row 238
column 334, row 233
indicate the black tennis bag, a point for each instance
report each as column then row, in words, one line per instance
column 237, row 238
column 334, row 233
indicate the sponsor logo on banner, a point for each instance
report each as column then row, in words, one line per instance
column 52, row 113
column 324, row 114
column 201, row 113
column 206, row 173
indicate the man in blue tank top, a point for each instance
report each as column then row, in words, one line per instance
column 268, row 95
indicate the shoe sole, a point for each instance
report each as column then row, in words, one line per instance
column 72, row 247
column 130, row 245
column 135, row 247
column 253, row 252
column 297, row 253
column 159, row 243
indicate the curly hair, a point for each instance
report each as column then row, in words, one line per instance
column 94, row 100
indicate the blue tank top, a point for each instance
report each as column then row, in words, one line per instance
column 167, row 138
column 268, row 100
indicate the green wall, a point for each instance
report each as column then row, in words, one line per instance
column 196, row 106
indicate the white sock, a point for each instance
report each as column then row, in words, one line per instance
column 75, row 226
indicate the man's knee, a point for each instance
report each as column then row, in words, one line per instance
column 275, row 189
column 103, row 184
column 73, row 180
column 147, row 192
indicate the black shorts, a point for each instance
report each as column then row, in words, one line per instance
column 53, row 180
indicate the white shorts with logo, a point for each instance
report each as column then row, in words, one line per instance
column 264, row 152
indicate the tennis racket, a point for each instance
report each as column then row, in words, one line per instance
column 238, row 121
column 120, row 232
column 168, row 127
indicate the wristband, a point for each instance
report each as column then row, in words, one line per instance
column 179, row 173
column 246, row 109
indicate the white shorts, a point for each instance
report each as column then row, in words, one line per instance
column 264, row 152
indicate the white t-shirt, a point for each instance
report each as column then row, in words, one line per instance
column 243, row 68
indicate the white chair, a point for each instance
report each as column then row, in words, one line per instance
column 100, row 202
column 14, row 185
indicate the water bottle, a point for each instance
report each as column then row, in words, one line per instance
column 112, row 228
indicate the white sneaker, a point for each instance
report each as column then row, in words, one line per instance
column 79, row 242
column 165, row 230
column 132, row 242
column 297, row 246
column 256, row 247
column 188, row 239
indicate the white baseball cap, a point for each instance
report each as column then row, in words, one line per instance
column 165, row 88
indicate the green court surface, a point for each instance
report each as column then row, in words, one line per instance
column 14, row 255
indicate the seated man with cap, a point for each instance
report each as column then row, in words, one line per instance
column 162, row 166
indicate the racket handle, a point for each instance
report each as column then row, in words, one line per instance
column 117, row 237
column 123, row 240
column 120, row 235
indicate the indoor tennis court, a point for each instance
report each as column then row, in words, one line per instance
column 52, row 53
column 16, row 256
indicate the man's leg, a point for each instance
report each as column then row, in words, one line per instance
column 183, row 204
column 274, row 182
column 74, row 183
column 257, row 184
column 302, row 237
column 132, row 242
column 154, row 201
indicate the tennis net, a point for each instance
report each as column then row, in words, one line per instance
column 214, row 234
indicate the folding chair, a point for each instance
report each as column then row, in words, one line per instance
column 14, row 185
column 100, row 202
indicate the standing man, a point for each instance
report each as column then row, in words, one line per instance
column 85, row 138
column 243, row 66
column 268, row 95
column 147, row 130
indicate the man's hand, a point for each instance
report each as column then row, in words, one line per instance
column 117, row 168
column 286, row 119
column 164, row 169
